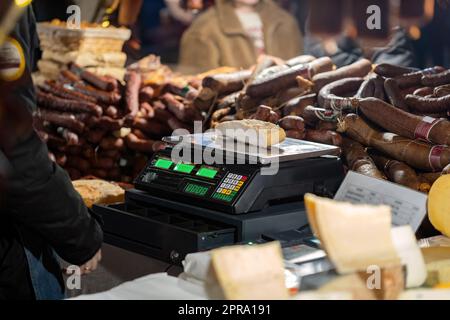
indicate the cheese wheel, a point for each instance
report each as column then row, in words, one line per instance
column 439, row 205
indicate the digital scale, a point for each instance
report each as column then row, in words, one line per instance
column 179, row 207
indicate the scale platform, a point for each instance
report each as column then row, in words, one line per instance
column 179, row 207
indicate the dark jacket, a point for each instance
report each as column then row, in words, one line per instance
column 39, row 210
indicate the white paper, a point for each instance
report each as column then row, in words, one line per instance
column 409, row 207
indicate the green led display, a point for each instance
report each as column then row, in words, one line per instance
column 207, row 173
column 184, row 168
column 196, row 189
column 163, row 163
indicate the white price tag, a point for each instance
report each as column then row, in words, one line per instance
column 409, row 207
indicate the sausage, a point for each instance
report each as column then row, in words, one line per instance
column 112, row 112
column 295, row 107
column 159, row 145
column 379, row 88
column 271, row 84
column 103, row 163
column 398, row 172
column 327, row 125
column 441, row 91
column 148, row 109
column 417, row 154
column 434, row 80
column 295, row 134
column 112, row 143
column 446, row 170
column 358, row 159
column 56, row 103
column 146, row 94
column 78, row 163
column 320, row 65
column 134, row 81
column 331, row 96
column 64, row 91
column 205, row 99
column 367, row 89
column 289, row 94
column 324, row 137
column 175, row 124
column 227, row 83
column 102, row 83
column 313, row 115
column 391, row 71
column 406, row 124
column 187, row 92
column 423, row 92
column 109, row 123
column 95, row 136
column 151, row 127
column 160, row 113
column 100, row 173
column 358, row 69
column 273, row 117
column 394, row 95
column 220, row 113
column 292, row 123
column 70, row 137
column 110, row 98
column 263, row 113
column 65, row 120
column 302, row 59
column 428, row 105
column 112, row 154
column 183, row 112
column 415, row 78
column 138, row 144
column 67, row 76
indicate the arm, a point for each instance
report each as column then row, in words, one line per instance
column 42, row 198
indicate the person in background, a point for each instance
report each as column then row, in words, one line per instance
column 41, row 215
column 235, row 32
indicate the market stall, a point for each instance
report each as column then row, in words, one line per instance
column 328, row 182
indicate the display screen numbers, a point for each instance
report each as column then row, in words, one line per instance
column 196, row 189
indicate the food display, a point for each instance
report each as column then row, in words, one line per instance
column 390, row 122
column 91, row 46
column 95, row 125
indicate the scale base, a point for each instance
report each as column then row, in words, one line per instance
column 168, row 230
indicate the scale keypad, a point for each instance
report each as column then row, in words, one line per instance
column 229, row 187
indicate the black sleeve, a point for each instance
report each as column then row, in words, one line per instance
column 40, row 195
column 42, row 198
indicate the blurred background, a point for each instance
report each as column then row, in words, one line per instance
column 161, row 24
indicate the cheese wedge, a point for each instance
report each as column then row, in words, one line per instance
column 253, row 132
column 354, row 236
column 250, row 272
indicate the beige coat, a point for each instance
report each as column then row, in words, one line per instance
column 217, row 38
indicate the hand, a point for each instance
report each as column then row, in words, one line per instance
column 92, row 264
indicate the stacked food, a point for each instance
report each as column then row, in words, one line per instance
column 390, row 122
column 96, row 126
column 91, row 46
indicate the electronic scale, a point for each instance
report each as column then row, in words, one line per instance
column 226, row 193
